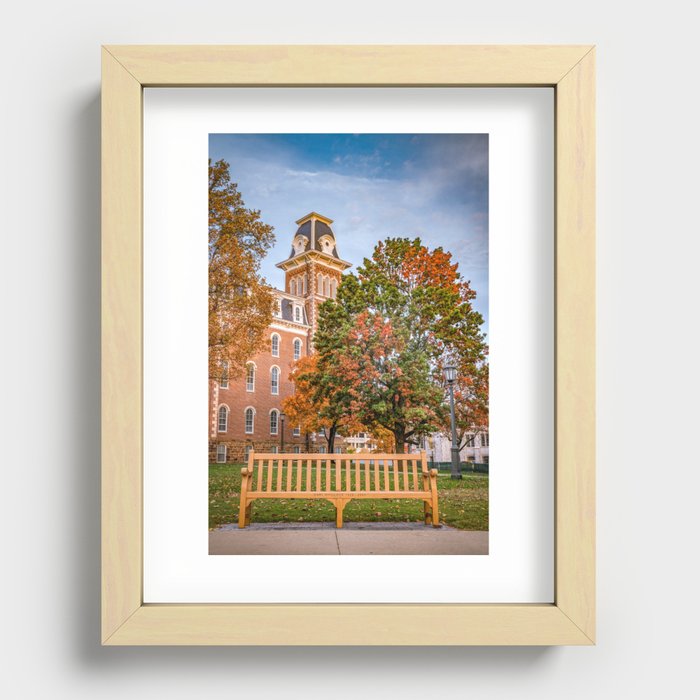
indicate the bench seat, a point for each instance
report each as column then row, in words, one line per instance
column 339, row 478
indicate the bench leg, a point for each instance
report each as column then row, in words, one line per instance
column 427, row 514
column 248, row 512
column 339, row 507
column 434, row 508
column 243, row 515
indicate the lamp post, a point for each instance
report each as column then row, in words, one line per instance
column 282, row 417
column 450, row 373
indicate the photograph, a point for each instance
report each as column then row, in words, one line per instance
column 348, row 371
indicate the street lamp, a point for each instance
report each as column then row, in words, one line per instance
column 450, row 373
column 282, row 417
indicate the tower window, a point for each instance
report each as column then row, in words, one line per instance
column 297, row 349
column 297, row 315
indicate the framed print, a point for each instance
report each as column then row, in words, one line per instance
column 387, row 350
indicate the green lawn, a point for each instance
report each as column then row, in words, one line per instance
column 463, row 504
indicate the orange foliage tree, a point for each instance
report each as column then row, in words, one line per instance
column 240, row 302
column 318, row 404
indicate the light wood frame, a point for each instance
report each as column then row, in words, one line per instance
column 126, row 70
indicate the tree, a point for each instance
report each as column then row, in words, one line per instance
column 240, row 302
column 319, row 403
column 471, row 403
column 388, row 331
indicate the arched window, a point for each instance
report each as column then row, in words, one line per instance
column 326, row 286
column 250, row 377
column 334, row 287
column 297, row 314
column 275, row 343
column 223, row 419
column 274, row 419
column 275, row 380
column 303, row 284
column 297, row 348
column 223, row 383
column 319, row 284
column 249, row 421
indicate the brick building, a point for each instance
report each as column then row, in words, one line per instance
column 246, row 413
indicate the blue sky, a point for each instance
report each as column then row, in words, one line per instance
column 432, row 186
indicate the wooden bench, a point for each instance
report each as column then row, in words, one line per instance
column 339, row 478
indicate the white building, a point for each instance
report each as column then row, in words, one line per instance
column 438, row 448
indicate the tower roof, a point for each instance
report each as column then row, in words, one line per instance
column 314, row 234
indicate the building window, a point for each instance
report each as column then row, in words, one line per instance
column 339, row 450
column 224, row 376
column 322, row 450
column 275, row 380
column 334, row 286
column 223, row 419
column 303, row 285
column 275, row 449
column 297, row 449
column 297, row 431
column 319, row 283
column 221, row 453
column 484, row 439
column 250, row 377
column 248, row 448
column 297, row 349
column 275, row 344
column 274, row 418
column 249, row 421
column 297, row 314
column 326, row 287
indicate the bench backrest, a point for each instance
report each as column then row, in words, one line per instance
column 337, row 473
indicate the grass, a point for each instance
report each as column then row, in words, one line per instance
column 464, row 504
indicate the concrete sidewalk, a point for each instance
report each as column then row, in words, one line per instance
column 353, row 538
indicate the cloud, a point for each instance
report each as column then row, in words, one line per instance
column 435, row 188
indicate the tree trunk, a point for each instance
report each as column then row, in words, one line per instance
column 331, row 440
column 399, row 439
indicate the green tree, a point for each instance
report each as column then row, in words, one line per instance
column 240, row 302
column 388, row 331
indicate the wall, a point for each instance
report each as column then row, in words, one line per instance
column 648, row 345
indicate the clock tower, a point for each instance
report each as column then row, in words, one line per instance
column 313, row 269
